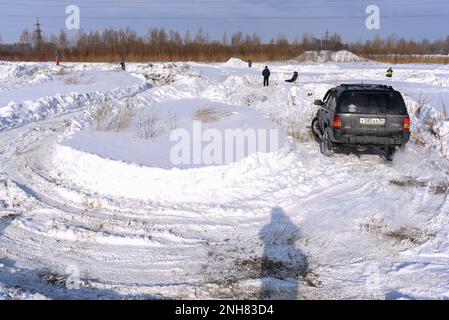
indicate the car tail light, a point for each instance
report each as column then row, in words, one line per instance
column 407, row 124
column 337, row 122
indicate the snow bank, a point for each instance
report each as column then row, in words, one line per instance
column 235, row 62
column 71, row 92
column 17, row 114
column 329, row 56
column 19, row 70
column 14, row 75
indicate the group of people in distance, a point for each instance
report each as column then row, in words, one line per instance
column 266, row 76
column 265, row 73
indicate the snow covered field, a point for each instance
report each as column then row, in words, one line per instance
column 92, row 207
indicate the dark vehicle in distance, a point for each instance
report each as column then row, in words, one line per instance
column 362, row 115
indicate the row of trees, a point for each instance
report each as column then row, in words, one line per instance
column 395, row 45
column 161, row 45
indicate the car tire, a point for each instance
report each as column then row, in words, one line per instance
column 389, row 153
column 316, row 130
column 326, row 144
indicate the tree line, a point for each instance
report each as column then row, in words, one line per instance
column 159, row 44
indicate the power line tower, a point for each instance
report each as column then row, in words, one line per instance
column 38, row 36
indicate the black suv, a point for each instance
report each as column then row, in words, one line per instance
column 362, row 115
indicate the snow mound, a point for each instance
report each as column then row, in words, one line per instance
column 193, row 117
column 235, row 62
column 329, row 56
column 116, row 178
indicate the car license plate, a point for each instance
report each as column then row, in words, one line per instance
column 372, row 121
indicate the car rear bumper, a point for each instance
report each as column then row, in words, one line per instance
column 399, row 140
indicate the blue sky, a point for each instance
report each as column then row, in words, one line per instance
column 414, row 19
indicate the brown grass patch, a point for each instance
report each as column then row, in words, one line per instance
column 412, row 235
column 411, row 182
column 405, row 58
column 210, row 114
column 72, row 80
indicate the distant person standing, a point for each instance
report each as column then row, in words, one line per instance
column 250, row 63
column 57, row 57
column 390, row 73
column 122, row 64
column 266, row 76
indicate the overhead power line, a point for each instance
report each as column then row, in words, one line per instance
column 122, row 17
column 217, row 4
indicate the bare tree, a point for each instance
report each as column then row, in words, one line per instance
column 201, row 37
column 147, row 125
column 188, row 37
column 237, row 39
column 25, row 37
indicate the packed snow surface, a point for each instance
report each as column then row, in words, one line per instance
column 93, row 207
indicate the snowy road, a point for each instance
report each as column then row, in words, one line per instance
column 291, row 224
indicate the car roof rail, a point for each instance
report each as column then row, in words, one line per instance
column 363, row 85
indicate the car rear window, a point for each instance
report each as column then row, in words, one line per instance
column 372, row 102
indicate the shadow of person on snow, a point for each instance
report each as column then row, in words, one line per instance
column 282, row 262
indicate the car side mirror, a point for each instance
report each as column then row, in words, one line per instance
column 318, row 103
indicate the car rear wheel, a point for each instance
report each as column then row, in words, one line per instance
column 389, row 153
column 316, row 131
column 326, row 144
